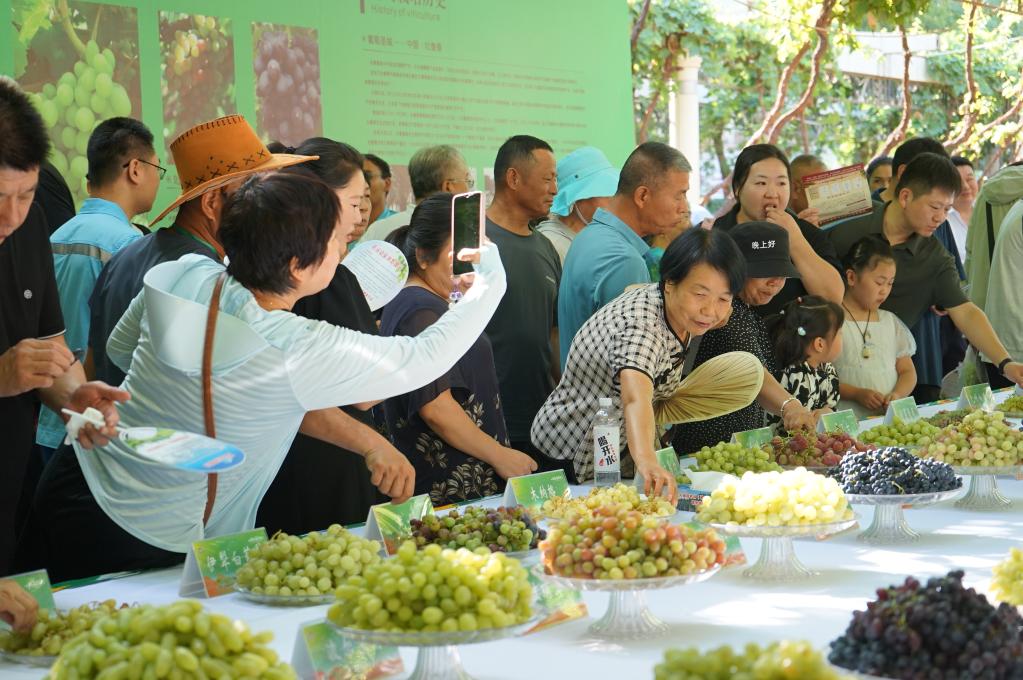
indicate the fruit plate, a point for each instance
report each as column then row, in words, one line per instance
column 889, row 525
column 438, row 653
column 627, row 616
column 983, row 493
column 778, row 562
column 40, row 661
column 285, row 600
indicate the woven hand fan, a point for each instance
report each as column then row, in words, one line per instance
column 721, row 385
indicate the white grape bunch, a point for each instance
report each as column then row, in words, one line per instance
column 789, row 498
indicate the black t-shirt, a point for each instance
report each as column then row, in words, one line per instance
column 54, row 197
column 793, row 288
column 318, row 483
column 520, row 330
column 121, row 280
column 29, row 308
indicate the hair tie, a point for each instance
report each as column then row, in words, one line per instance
column 781, row 313
column 801, row 331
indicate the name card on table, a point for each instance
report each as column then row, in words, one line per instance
column 561, row 604
column 977, row 397
column 904, row 409
column 751, row 439
column 37, row 584
column 391, row 524
column 839, row 421
column 531, row 491
column 211, row 565
column 667, row 459
column 689, row 499
column 321, row 652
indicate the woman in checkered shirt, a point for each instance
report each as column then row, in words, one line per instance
column 633, row 350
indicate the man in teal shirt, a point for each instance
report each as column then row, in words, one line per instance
column 124, row 175
column 608, row 255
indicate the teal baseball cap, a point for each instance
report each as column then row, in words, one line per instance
column 584, row 173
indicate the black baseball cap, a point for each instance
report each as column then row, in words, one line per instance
column 766, row 248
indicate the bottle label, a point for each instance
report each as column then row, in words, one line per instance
column 605, row 449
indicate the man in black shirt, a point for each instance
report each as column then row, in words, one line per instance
column 35, row 362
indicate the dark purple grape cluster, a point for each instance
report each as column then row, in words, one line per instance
column 938, row 630
column 892, row 470
column 287, row 67
column 499, row 529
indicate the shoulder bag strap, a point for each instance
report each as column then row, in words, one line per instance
column 207, row 388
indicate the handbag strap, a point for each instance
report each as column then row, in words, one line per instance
column 207, row 388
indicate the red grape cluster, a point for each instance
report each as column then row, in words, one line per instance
column 811, row 449
column 197, row 68
column 288, row 85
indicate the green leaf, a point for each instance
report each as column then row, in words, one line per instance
column 31, row 16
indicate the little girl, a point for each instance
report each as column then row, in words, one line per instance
column 807, row 338
column 876, row 362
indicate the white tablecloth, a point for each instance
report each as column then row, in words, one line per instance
column 727, row 609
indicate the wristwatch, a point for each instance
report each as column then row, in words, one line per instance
column 1001, row 365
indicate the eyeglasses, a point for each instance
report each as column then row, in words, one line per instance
column 159, row 168
column 469, row 181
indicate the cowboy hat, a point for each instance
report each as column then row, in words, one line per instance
column 220, row 151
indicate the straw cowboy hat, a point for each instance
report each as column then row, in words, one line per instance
column 219, row 151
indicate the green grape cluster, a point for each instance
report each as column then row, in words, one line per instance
column 311, row 565
column 982, row 439
column 734, row 459
column 1013, row 404
column 1007, row 583
column 75, row 105
column 53, row 629
column 498, row 529
column 784, row 660
column 617, row 543
column 435, row 589
column 900, row 433
column 178, row 640
column 789, row 498
column 619, row 495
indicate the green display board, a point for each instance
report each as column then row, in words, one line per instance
column 387, row 76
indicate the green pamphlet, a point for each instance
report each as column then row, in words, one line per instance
column 904, row 409
column 390, row 523
column 751, row 439
column 37, row 584
column 977, row 397
column 211, row 565
column 532, row 490
column 839, row 421
column 322, row 653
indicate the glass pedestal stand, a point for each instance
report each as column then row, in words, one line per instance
column 627, row 616
column 778, row 562
column 983, row 493
column 889, row 525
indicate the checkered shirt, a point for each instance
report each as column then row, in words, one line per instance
column 631, row 331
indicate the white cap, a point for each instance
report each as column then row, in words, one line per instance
column 605, row 401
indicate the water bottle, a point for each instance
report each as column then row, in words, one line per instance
column 606, row 464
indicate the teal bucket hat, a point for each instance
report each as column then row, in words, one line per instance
column 584, row 173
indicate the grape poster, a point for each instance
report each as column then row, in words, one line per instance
column 386, row 76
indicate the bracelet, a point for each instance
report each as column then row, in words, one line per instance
column 781, row 411
column 1001, row 365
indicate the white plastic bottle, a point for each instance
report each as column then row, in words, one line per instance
column 606, row 463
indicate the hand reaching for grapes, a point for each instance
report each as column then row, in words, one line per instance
column 797, row 417
column 17, row 607
column 391, row 473
column 511, row 463
column 871, row 399
column 657, row 482
column 1014, row 372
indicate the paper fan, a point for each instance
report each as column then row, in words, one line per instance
column 721, row 385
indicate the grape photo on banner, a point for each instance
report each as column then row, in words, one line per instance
column 287, row 67
column 197, row 71
column 79, row 63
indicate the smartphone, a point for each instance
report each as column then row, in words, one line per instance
column 467, row 224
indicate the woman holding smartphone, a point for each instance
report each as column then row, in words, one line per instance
column 452, row 429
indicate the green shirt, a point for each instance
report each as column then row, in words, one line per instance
column 925, row 273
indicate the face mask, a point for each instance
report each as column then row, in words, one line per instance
column 578, row 214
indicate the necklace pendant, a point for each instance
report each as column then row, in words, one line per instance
column 865, row 353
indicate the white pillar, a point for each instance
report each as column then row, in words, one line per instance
column 684, row 119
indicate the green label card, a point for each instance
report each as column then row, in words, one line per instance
column 734, row 554
column 211, row 565
column 323, row 653
column 977, row 397
column 839, row 421
column 904, row 409
column 390, row 523
column 37, row 584
column 667, row 459
column 532, row 490
column 560, row 604
column 751, row 439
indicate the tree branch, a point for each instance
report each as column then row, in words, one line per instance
column 65, row 20
column 780, row 94
column 899, row 133
column 969, row 107
column 821, row 27
column 637, row 27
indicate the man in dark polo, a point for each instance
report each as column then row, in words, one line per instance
column 925, row 272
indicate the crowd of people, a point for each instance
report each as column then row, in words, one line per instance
column 236, row 320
